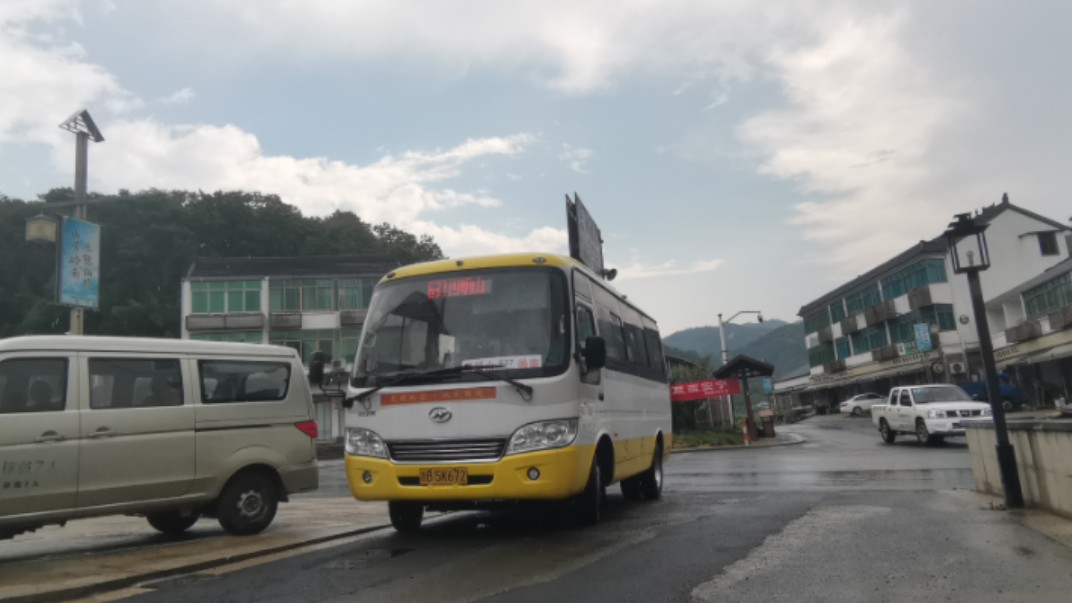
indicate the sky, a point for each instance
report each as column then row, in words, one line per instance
column 737, row 155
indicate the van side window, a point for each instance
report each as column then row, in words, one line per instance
column 656, row 362
column 227, row 381
column 585, row 325
column 33, row 385
column 134, row 383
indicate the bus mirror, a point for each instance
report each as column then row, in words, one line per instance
column 595, row 353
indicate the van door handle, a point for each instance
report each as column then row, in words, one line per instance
column 103, row 432
column 49, row 436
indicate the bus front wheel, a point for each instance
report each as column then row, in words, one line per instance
column 405, row 516
column 589, row 502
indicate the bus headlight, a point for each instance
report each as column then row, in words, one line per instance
column 362, row 442
column 543, row 435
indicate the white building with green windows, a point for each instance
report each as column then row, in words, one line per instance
column 909, row 319
column 307, row 303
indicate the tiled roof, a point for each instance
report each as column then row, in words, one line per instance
column 298, row 266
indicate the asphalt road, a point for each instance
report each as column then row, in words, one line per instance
column 842, row 517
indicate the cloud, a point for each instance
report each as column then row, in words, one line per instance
column 638, row 270
column 576, row 158
column 857, row 135
column 179, row 97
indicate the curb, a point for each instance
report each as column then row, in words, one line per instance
column 88, row 590
column 797, row 439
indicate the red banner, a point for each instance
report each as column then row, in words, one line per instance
column 698, row 390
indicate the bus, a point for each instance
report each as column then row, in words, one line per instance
column 520, row 377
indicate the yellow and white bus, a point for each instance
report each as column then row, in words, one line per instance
column 504, row 378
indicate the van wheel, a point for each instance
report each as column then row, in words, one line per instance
column 248, row 504
column 631, row 488
column 171, row 523
column 589, row 502
column 405, row 516
column 651, row 481
column 888, row 435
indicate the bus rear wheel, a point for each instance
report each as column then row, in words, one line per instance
column 405, row 516
column 651, row 481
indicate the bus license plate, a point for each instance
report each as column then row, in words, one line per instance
column 447, row 476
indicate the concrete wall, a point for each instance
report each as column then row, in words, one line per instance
column 1043, row 458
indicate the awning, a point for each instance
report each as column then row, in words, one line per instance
column 1054, row 353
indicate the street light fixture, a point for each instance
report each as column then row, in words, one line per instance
column 41, row 229
column 722, row 330
column 970, row 256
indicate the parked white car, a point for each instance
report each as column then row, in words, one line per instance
column 931, row 412
column 860, row 404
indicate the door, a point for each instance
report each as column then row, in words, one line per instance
column 38, row 433
column 137, row 429
column 905, row 412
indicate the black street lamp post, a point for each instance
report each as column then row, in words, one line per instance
column 968, row 238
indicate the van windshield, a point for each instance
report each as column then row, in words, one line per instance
column 510, row 320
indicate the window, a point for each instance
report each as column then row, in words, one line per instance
column 229, row 381
column 842, row 347
column 355, row 293
column 585, row 325
column 868, row 339
column 306, row 342
column 610, row 327
column 1048, row 243
column 905, row 399
column 656, row 362
column 633, row 333
column 348, row 344
column 225, row 297
column 1049, row 296
column 318, row 294
column 134, row 383
column 817, row 321
column 939, row 314
column 862, row 300
column 922, row 273
column 821, row 354
column 284, row 295
column 33, row 385
column 239, row 336
column 837, row 311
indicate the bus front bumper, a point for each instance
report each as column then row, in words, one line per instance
column 562, row 473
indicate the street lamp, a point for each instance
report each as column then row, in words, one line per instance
column 722, row 330
column 725, row 352
column 970, row 256
column 83, row 127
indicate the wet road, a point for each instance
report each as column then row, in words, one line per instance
column 842, row 517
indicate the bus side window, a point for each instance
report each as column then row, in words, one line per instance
column 585, row 325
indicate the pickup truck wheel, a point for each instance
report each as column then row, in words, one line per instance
column 923, row 434
column 888, row 435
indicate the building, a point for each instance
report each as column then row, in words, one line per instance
column 909, row 319
column 307, row 303
column 1031, row 328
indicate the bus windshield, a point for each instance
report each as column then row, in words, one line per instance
column 512, row 320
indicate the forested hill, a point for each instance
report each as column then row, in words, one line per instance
column 776, row 342
column 150, row 238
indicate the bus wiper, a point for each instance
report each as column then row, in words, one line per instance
column 522, row 388
column 398, row 378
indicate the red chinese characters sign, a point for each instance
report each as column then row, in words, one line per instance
column 698, row 390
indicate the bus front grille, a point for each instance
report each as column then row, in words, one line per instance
column 446, row 451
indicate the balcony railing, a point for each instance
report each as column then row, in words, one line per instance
column 225, row 322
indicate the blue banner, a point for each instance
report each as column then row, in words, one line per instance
column 79, row 264
column 923, row 337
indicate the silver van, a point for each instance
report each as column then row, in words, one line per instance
column 165, row 428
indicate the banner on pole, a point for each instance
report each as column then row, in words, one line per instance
column 698, row 390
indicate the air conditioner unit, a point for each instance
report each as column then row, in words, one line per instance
column 957, row 367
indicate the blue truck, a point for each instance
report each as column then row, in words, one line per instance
column 1012, row 397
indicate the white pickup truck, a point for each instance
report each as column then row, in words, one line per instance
column 931, row 412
